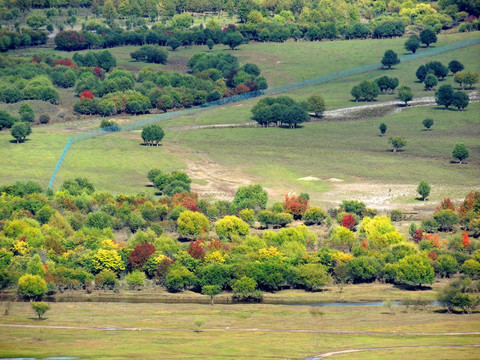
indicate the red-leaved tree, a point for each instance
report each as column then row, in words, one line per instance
column 348, row 221
column 86, row 94
column 295, row 206
column 465, row 239
column 97, row 72
column 139, row 256
column 197, row 249
column 445, row 204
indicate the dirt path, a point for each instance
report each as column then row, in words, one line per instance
column 332, row 353
column 339, row 332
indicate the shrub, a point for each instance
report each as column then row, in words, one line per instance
column 106, row 279
column 136, row 279
column 44, row 118
column 314, row 215
column 244, row 290
column 192, row 224
column 40, row 308
column 231, row 226
column 179, row 278
column 446, row 219
column 471, row 268
column 311, row 276
column 32, row 287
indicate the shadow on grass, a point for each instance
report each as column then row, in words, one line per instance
column 148, row 145
column 21, row 142
column 412, row 287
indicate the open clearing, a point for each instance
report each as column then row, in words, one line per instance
column 241, row 331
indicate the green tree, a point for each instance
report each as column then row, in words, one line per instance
column 212, row 291
column 312, row 276
column 26, row 113
column 40, row 308
column 7, row 120
column 397, row 142
column 460, row 100
column 428, row 36
column 233, row 39
column 314, row 215
column 430, row 81
column 250, row 197
column 444, row 95
column 210, row 43
column 421, row 73
column 191, row 224
column 152, row 134
column 36, row 20
column 390, row 58
column 179, row 278
column 415, row 270
column 427, row 123
column 109, row 10
column 446, row 219
column 35, row 266
column 316, row 104
column 244, row 289
column 20, row 131
column 173, row 43
column 455, row 66
column 405, row 94
column 460, row 152
column 412, row 44
column 32, row 287
column 423, row 189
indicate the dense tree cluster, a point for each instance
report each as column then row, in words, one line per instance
column 64, row 240
column 279, row 111
column 214, row 76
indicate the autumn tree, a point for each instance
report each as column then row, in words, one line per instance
column 231, row 226
column 191, row 224
column 139, row 256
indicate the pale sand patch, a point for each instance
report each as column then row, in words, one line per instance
column 309, row 178
column 335, row 180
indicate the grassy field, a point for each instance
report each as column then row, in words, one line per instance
column 279, row 157
column 229, row 331
column 276, row 158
